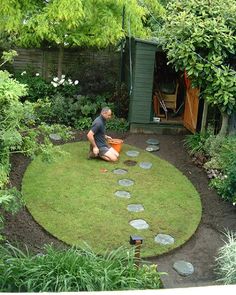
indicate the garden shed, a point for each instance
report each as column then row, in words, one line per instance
column 160, row 101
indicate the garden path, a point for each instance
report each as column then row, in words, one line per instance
column 200, row 250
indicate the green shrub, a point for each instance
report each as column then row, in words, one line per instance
column 37, row 87
column 75, row 111
column 73, row 270
column 117, row 124
column 223, row 157
column 196, row 142
column 226, row 260
column 84, row 123
column 221, row 164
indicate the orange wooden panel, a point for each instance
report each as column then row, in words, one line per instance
column 191, row 109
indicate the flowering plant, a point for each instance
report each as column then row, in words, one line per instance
column 62, row 81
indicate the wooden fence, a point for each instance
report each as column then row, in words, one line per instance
column 84, row 64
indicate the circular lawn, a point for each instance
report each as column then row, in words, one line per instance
column 102, row 204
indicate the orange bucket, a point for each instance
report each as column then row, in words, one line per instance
column 116, row 143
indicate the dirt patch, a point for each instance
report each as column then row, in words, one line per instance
column 200, row 250
column 130, row 163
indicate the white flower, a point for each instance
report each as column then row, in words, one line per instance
column 234, row 203
column 63, row 76
column 23, row 73
column 70, row 82
column 55, row 79
column 76, row 82
column 61, row 81
column 54, row 84
column 37, row 74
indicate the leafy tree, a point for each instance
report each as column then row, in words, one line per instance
column 200, row 36
column 13, row 13
column 65, row 23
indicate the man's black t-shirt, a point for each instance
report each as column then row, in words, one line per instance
column 99, row 128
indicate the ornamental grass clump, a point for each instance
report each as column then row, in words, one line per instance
column 226, row 260
column 73, row 270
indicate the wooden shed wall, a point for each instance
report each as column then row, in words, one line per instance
column 141, row 97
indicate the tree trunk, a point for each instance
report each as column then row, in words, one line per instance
column 204, row 117
column 224, row 124
column 232, row 124
column 60, row 61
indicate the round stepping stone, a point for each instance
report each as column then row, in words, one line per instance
column 132, row 153
column 126, row 182
column 152, row 148
column 139, row 224
column 130, row 162
column 145, row 165
column 120, row 171
column 135, row 208
column 152, row 141
column 183, row 268
column 123, row 194
column 55, row 136
column 164, row 239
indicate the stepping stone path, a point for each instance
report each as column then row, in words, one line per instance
column 55, row 136
column 139, row 224
column 153, row 141
column 152, row 148
column 164, row 239
column 126, row 182
column 145, row 165
column 123, row 194
column 132, row 153
column 120, row 171
column 135, row 208
column 183, row 268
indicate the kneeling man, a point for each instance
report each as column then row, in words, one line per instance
column 97, row 138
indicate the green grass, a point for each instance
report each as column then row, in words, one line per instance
column 73, row 270
column 75, row 202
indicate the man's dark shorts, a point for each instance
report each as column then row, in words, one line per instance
column 103, row 150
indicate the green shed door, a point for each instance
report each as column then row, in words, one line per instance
column 140, row 107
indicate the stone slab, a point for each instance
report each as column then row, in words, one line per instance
column 184, row 268
column 120, row 171
column 145, row 165
column 126, row 182
column 139, row 224
column 123, row 194
column 135, row 208
column 55, row 136
column 153, row 141
column 164, row 239
column 132, row 153
column 152, row 148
